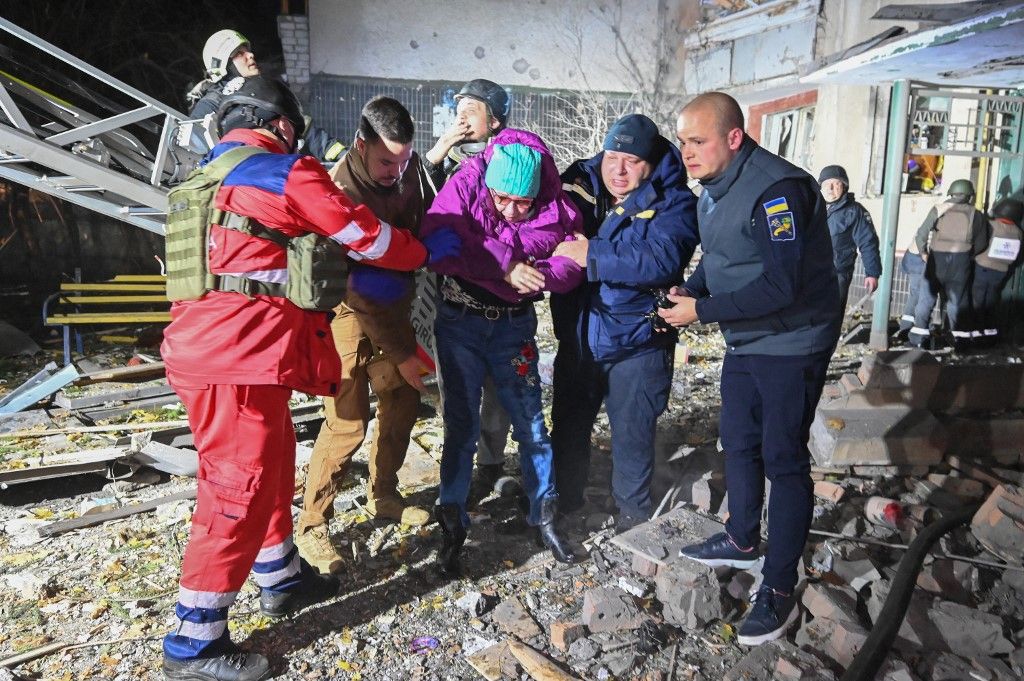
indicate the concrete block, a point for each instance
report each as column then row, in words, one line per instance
column 847, row 437
column 850, row 382
column 836, row 639
column 967, row 489
column 1017, row 662
column 974, row 387
column 607, row 609
column 512, row 617
column 831, row 602
column 993, row 668
column 915, row 369
column 644, row 566
column 831, row 391
column 829, row 491
column 996, row 437
column 856, row 569
column 689, row 593
column 564, row 634
column 968, row 631
column 954, row 580
column 999, row 523
column 633, row 587
column 896, row 670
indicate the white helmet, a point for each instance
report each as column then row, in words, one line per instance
column 219, row 49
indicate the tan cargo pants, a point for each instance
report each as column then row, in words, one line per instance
column 343, row 432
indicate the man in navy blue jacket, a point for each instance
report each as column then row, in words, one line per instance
column 640, row 232
column 768, row 279
column 851, row 228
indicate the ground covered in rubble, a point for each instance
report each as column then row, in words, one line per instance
column 631, row 611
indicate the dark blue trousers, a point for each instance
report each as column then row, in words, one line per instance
column 768, row 404
column 635, row 393
column 985, row 294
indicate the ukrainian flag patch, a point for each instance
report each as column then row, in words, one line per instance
column 781, row 227
column 774, row 206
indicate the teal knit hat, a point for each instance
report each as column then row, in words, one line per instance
column 514, row 169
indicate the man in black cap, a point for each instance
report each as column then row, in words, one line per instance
column 850, row 226
column 640, row 231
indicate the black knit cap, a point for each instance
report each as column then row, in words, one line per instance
column 634, row 134
column 834, row 173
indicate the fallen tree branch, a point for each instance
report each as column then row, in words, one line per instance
column 50, row 648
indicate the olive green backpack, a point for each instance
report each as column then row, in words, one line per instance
column 317, row 265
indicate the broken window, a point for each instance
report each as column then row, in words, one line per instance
column 790, row 134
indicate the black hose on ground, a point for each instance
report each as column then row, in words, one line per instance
column 876, row 647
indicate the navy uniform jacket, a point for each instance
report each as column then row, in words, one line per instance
column 640, row 245
column 851, row 228
column 767, row 274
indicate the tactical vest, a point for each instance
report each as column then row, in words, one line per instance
column 1003, row 249
column 317, row 265
column 952, row 231
column 732, row 259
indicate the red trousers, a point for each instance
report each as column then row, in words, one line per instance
column 246, row 478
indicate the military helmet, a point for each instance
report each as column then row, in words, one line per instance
column 255, row 102
column 490, row 93
column 1009, row 209
column 961, row 187
column 219, row 49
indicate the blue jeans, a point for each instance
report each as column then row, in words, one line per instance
column 768, row 404
column 469, row 348
column 635, row 392
column 913, row 265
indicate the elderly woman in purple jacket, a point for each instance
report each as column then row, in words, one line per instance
column 508, row 207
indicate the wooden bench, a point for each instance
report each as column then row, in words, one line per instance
column 78, row 304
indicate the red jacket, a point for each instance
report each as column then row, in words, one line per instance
column 231, row 338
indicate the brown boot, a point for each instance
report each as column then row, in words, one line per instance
column 395, row 508
column 316, row 548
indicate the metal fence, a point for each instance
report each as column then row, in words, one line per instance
column 568, row 121
column 557, row 116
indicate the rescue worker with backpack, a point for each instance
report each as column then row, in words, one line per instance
column 256, row 241
column 950, row 236
column 993, row 267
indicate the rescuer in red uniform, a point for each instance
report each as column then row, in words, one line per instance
column 234, row 357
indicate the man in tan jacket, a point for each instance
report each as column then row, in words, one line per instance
column 375, row 338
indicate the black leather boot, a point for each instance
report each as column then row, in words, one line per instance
column 548, row 533
column 236, row 666
column 313, row 588
column 453, row 536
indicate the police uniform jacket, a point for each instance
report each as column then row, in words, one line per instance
column 851, row 228
column 767, row 275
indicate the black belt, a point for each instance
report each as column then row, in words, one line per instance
column 492, row 312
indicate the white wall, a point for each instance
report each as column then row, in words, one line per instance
column 526, row 43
